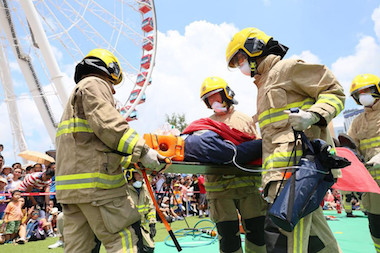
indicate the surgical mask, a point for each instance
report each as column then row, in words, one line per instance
column 218, row 107
column 245, row 68
column 366, row 99
column 137, row 184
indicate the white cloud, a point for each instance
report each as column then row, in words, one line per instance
column 376, row 20
column 307, row 56
column 183, row 62
column 364, row 60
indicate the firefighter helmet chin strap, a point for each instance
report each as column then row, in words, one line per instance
column 253, row 65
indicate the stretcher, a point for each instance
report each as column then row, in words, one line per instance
column 207, row 169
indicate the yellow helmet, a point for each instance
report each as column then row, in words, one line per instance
column 250, row 40
column 364, row 81
column 100, row 61
column 249, row 44
column 212, row 85
column 128, row 173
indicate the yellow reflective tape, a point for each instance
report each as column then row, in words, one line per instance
column 291, row 105
column 89, row 185
column 132, row 144
column 129, row 239
column 276, row 114
column 301, row 234
column 123, row 141
column 126, row 161
column 88, row 175
column 123, row 242
column 280, row 159
column 73, row 125
column 331, row 100
column 370, row 143
column 370, row 140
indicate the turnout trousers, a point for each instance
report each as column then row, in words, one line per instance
column 312, row 233
column 117, row 229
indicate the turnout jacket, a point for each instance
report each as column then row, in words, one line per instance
column 219, row 186
column 144, row 204
column 93, row 140
column 284, row 84
column 365, row 130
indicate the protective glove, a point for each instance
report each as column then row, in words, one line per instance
column 374, row 160
column 302, row 120
column 150, row 159
column 153, row 231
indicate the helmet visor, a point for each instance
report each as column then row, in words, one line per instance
column 238, row 59
column 211, row 93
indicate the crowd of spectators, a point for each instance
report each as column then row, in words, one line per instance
column 179, row 195
column 24, row 217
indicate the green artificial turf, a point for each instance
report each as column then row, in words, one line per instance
column 352, row 235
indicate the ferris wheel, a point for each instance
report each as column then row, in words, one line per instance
column 48, row 38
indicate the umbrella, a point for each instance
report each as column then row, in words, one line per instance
column 37, row 157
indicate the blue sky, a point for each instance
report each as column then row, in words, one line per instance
column 192, row 38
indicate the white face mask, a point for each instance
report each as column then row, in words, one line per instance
column 137, row 184
column 218, row 107
column 366, row 99
column 245, row 68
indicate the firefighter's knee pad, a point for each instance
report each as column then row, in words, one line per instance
column 374, row 224
column 229, row 233
column 255, row 230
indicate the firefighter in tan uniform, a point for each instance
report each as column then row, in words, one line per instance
column 93, row 141
column 229, row 196
column 285, row 84
column 365, row 131
column 144, row 203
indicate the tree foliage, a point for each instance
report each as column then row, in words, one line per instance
column 177, row 120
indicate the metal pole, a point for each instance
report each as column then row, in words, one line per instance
column 10, row 99
column 56, row 75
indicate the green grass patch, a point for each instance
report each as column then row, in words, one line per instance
column 42, row 246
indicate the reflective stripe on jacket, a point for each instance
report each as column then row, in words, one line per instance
column 284, row 84
column 365, row 131
column 93, row 140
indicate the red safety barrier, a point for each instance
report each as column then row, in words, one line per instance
column 29, row 194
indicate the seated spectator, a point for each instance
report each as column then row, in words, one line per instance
column 6, row 172
column 38, row 228
column 26, row 216
column 3, row 199
column 167, row 211
column 12, row 217
column 15, row 181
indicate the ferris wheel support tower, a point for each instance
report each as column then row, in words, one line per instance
column 27, row 70
column 10, row 98
column 44, row 45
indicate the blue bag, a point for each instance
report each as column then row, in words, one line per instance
column 306, row 188
column 207, row 146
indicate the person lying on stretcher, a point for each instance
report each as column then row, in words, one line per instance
column 210, row 141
